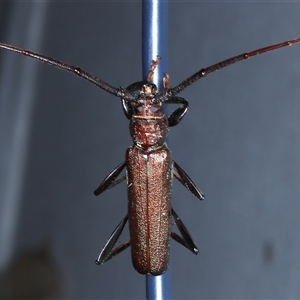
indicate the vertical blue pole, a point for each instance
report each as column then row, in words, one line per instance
column 154, row 36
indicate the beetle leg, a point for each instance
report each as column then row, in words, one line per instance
column 186, row 239
column 126, row 104
column 111, row 179
column 114, row 252
column 187, row 181
column 179, row 113
column 117, row 181
column 108, row 252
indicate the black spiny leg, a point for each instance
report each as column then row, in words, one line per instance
column 185, row 239
column 179, row 113
column 187, row 181
column 111, row 179
column 108, row 252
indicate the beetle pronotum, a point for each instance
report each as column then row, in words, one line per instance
column 149, row 164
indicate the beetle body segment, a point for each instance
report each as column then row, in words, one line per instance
column 149, row 182
column 148, row 124
column 148, row 134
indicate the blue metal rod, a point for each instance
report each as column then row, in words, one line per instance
column 154, row 35
column 155, row 38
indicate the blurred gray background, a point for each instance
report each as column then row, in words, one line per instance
column 240, row 142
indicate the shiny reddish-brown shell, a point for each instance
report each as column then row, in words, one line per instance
column 148, row 133
column 149, row 180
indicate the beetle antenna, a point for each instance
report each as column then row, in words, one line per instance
column 203, row 72
column 75, row 70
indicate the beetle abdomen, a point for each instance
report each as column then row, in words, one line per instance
column 149, row 179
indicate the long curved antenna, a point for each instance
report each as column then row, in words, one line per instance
column 203, row 72
column 75, row 70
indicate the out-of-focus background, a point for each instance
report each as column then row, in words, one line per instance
column 60, row 136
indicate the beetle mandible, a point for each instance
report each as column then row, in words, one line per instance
column 149, row 164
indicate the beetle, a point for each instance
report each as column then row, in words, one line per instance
column 149, row 164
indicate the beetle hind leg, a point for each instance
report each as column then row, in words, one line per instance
column 185, row 239
column 108, row 252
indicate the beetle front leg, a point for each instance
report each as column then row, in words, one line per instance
column 111, row 179
column 179, row 113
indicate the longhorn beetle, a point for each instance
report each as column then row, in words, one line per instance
column 150, row 167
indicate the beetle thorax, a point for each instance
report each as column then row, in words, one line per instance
column 148, row 125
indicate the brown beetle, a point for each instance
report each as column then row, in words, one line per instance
column 149, row 164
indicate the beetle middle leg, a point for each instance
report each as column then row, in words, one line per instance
column 111, row 179
column 186, row 181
